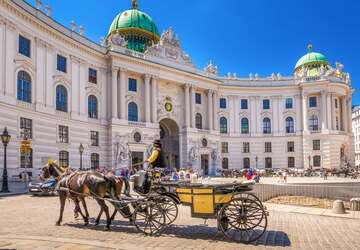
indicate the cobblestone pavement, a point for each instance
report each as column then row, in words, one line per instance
column 29, row 223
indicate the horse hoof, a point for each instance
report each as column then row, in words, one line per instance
column 86, row 223
column 57, row 224
column 96, row 223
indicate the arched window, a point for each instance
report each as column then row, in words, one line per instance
column 26, row 160
column 95, row 161
column 268, row 162
column 132, row 112
column 24, row 87
column 92, row 107
column 61, row 98
column 246, row 162
column 198, row 121
column 244, row 125
column 63, row 159
column 266, row 126
column 313, row 123
column 223, row 125
column 289, row 124
column 225, row 163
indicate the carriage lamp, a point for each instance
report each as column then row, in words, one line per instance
column 81, row 151
column 5, row 138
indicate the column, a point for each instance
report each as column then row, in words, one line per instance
column 349, row 112
column 49, row 71
column 252, row 101
column 215, row 110
column 122, row 95
column 154, row 98
column 192, row 111
column 231, row 114
column 40, row 71
column 2, row 55
column 114, row 93
column 281, row 105
column 75, row 82
column 104, row 91
column 298, row 121
column 333, row 120
column 210, row 109
column 147, row 97
column 258, row 115
column 82, row 86
column 323, row 111
column 10, row 50
column 344, row 119
column 274, row 105
column 329, row 112
column 304, row 112
column 236, row 114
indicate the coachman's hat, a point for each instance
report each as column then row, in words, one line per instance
column 157, row 143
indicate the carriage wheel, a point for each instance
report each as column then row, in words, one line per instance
column 169, row 208
column 249, row 196
column 242, row 220
column 148, row 217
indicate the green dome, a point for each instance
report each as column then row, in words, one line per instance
column 311, row 58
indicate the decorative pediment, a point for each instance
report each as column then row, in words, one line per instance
column 61, row 78
column 25, row 64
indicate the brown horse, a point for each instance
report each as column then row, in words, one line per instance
column 78, row 185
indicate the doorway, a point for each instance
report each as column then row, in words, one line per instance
column 137, row 157
column 169, row 138
column 205, row 164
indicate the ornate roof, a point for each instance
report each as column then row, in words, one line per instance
column 311, row 58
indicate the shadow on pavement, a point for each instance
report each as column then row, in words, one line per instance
column 202, row 232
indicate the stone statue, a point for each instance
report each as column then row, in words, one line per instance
column 214, row 154
column 119, row 40
column 193, row 153
column 211, row 68
column 339, row 69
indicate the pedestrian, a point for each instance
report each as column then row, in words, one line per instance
column 285, row 176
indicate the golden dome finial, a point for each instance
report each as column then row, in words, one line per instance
column 134, row 4
column 310, row 47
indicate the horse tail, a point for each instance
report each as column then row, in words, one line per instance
column 127, row 186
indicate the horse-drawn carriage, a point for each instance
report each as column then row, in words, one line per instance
column 240, row 215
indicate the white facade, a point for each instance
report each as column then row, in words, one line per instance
column 164, row 74
column 356, row 131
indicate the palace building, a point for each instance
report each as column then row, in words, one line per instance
column 137, row 85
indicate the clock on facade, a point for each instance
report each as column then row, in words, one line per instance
column 204, row 142
column 168, row 106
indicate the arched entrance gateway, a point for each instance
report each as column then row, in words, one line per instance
column 169, row 137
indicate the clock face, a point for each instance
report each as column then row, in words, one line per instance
column 168, row 106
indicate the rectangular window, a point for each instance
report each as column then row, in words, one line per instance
column 291, row 162
column 223, row 103
column 317, row 161
column 95, row 161
column 316, row 144
column 290, row 146
column 197, row 98
column 63, row 159
column 94, row 137
column 312, row 102
column 266, row 104
column 288, row 103
column 267, row 147
column 63, row 134
column 24, row 46
column 246, row 147
column 244, row 104
column 26, row 127
column 92, row 75
column 61, row 63
column 224, row 147
column 26, row 159
column 132, row 85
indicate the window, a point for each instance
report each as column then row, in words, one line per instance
column 92, row 107
column 316, row 144
column 26, row 160
column 244, row 104
column 95, row 161
column 290, row 146
column 246, row 162
column 267, row 147
column 132, row 112
column 268, row 162
column 313, row 123
column 23, row 86
column 63, row 134
column 224, row 147
column 92, row 75
column 24, row 46
column 197, row 98
column 312, row 101
column 26, row 127
column 266, row 104
column 223, row 125
column 244, row 125
column 291, row 162
column 198, row 121
column 94, row 138
column 289, row 124
column 266, row 126
column 317, row 161
column 63, row 159
column 337, row 123
column 336, row 103
column 132, row 85
column 246, row 147
column 61, row 63
column 289, row 103
column 223, row 103
column 61, row 98
column 225, row 163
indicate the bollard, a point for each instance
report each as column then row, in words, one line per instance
column 338, row 207
column 355, row 204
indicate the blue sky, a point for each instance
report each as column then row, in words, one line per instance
column 253, row 36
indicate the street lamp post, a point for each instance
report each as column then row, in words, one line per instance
column 5, row 138
column 256, row 161
column 309, row 157
column 81, row 150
